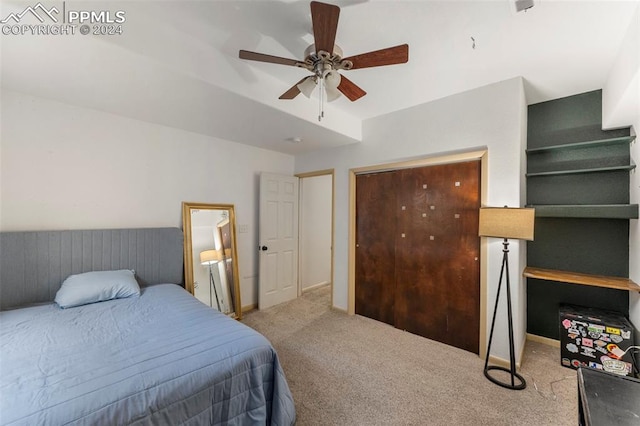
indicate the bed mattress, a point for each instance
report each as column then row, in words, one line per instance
column 162, row 358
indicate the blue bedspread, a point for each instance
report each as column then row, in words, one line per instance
column 162, row 358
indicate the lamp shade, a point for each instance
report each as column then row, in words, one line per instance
column 505, row 222
column 332, row 80
column 209, row 257
column 307, row 86
column 332, row 94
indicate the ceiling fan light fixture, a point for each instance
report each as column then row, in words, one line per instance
column 332, row 94
column 331, row 82
column 331, row 79
column 324, row 59
column 307, row 86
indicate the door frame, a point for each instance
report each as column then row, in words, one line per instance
column 325, row 172
column 458, row 157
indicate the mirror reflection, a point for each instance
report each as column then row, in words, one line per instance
column 210, row 256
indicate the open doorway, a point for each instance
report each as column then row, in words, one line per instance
column 316, row 237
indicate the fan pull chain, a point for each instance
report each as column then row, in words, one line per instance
column 321, row 98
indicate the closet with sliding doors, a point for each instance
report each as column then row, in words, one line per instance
column 418, row 251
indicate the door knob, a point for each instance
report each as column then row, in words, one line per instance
column 264, row 248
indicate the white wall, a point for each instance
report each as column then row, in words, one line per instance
column 490, row 117
column 315, row 231
column 67, row 167
column 621, row 108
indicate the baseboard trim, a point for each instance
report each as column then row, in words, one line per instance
column 315, row 286
column 545, row 340
column 494, row 360
column 249, row 308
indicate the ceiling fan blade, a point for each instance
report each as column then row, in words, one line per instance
column 261, row 57
column 325, row 25
column 389, row 56
column 350, row 90
column 293, row 91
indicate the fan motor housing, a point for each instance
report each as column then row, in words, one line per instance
column 322, row 60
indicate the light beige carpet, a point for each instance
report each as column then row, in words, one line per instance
column 351, row 370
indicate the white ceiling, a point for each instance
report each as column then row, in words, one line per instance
column 177, row 64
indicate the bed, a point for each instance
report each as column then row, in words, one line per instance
column 160, row 357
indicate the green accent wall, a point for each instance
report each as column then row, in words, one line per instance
column 594, row 174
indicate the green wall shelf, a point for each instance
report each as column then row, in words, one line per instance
column 586, row 144
column 592, row 170
column 597, row 211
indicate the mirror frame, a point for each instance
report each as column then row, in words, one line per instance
column 187, row 207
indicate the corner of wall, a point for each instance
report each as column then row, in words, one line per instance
column 621, row 91
column 621, row 108
column 634, row 235
column 522, row 250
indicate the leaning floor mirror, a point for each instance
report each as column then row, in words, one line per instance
column 210, row 256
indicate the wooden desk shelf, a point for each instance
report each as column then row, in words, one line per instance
column 615, row 283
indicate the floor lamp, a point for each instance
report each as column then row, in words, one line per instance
column 514, row 223
column 210, row 257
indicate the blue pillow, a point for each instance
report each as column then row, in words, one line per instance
column 97, row 286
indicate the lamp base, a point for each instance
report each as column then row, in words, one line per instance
column 514, row 375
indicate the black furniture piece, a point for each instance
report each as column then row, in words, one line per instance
column 606, row 399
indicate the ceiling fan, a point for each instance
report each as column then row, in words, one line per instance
column 324, row 60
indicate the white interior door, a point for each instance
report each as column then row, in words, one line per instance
column 278, row 281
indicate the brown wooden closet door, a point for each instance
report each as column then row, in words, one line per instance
column 463, row 309
column 437, row 260
column 375, row 246
column 421, row 306
column 417, row 256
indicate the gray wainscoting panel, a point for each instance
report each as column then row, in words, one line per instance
column 33, row 264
